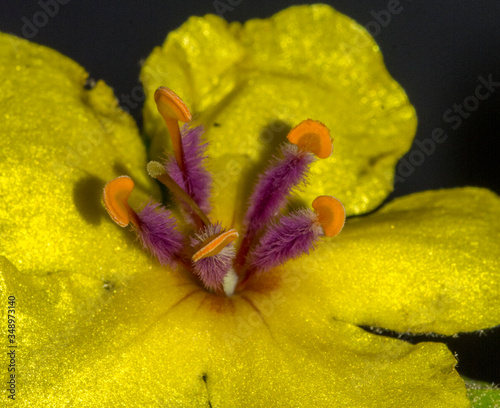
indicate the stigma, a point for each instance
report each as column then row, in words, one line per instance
column 223, row 260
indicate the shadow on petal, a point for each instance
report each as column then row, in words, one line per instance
column 87, row 194
column 271, row 137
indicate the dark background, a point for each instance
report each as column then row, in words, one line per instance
column 435, row 50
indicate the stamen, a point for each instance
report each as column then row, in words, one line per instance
column 274, row 186
column 330, row 214
column 115, row 195
column 216, row 244
column 312, row 136
column 159, row 234
column 215, row 270
column 293, row 235
column 172, row 109
column 297, row 233
column 157, row 171
column 195, row 180
column 154, row 225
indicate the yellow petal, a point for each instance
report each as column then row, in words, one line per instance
column 424, row 263
column 60, row 144
column 163, row 341
column 229, row 189
column 250, row 84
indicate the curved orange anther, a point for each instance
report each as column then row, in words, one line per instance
column 115, row 195
column 331, row 214
column 172, row 109
column 312, row 136
column 216, row 244
column 170, row 105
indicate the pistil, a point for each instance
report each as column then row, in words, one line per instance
column 157, row 171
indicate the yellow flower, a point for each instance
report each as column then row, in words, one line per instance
column 100, row 323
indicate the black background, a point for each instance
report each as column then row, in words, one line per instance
column 435, row 50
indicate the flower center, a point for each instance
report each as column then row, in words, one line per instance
column 209, row 251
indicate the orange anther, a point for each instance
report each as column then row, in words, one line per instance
column 172, row 109
column 216, row 244
column 331, row 214
column 312, row 136
column 170, row 105
column 115, row 195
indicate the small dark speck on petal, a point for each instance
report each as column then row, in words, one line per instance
column 107, row 285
